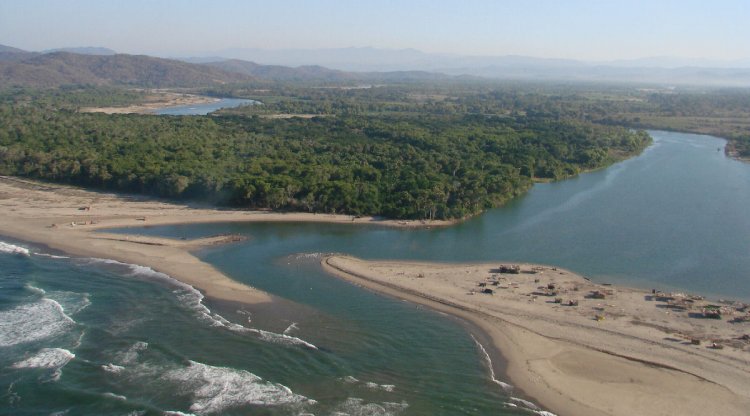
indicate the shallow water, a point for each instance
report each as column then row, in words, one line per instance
column 205, row 108
column 99, row 337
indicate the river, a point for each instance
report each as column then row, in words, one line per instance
column 673, row 218
column 204, row 108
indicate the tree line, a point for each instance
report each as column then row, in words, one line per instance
column 373, row 155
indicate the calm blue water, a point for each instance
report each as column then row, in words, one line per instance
column 674, row 217
column 203, row 109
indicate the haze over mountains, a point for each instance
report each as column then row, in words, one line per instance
column 99, row 66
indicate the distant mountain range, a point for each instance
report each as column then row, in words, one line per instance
column 102, row 66
column 660, row 70
column 61, row 68
column 86, row 50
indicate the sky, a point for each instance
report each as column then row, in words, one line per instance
column 592, row 30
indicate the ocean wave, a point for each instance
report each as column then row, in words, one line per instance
column 13, row 249
column 192, row 299
column 52, row 256
column 275, row 338
column 308, row 256
column 215, row 389
column 527, row 405
column 357, row 407
column 71, row 302
column 115, row 396
column 368, row 384
column 36, row 290
column 505, row 386
column 46, row 358
column 132, row 354
column 33, row 322
column 290, row 328
column 375, row 386
column 349, row 380
column 113, row 368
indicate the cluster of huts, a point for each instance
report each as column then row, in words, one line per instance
column 697, row 307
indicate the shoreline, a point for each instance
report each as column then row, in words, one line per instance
column 535, row 350
column 568, row 362
column 69, row 219
column 158, row 101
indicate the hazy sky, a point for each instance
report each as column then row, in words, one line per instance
column 579, row 29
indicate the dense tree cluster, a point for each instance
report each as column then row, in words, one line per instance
column 411, row 163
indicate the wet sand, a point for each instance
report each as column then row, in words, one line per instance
column 630, row 353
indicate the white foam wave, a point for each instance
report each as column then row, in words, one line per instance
column 131, row 355
column 215, row 389
column 290, row 328
column 115, row 396
column 505, row 386
column 46, row 358
column 13, row 249
column 349, row 380
column 525, row 404
column 357, row 407
column 113, row 368
column 308, row 256
column 278, row 338
column 34, row 289
column 52, row 256
column 177, row 413
column 71, row 302
column 12, row 396
column 192, row 298
column 32, row 322
column 376, row 386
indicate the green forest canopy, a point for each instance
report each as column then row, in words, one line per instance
column 372, row 154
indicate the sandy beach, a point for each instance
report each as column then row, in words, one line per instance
column 630, row 352
column 157, row 100
column 580, row 348
column 65, row 218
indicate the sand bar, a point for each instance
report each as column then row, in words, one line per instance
column 157, row 100
column 619, row 351
column 65, row 218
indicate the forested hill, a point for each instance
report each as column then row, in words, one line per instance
column 413, row 163
column 65, row 68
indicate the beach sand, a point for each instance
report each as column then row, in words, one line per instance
column 65, row 218
column 630, row 353
column 156, row 101
column 638, row 360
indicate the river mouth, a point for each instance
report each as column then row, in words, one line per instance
column 673, row 217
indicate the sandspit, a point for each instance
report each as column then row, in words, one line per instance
column 581, row 348
column 156, row 101
column 65, row 218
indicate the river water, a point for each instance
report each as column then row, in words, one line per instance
column 205, row 108
column 674, row 218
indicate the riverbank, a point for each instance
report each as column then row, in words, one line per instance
column 580, row 348
column 157, row 101
column 67, row 219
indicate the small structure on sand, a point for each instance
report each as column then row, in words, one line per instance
column 512, row 269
